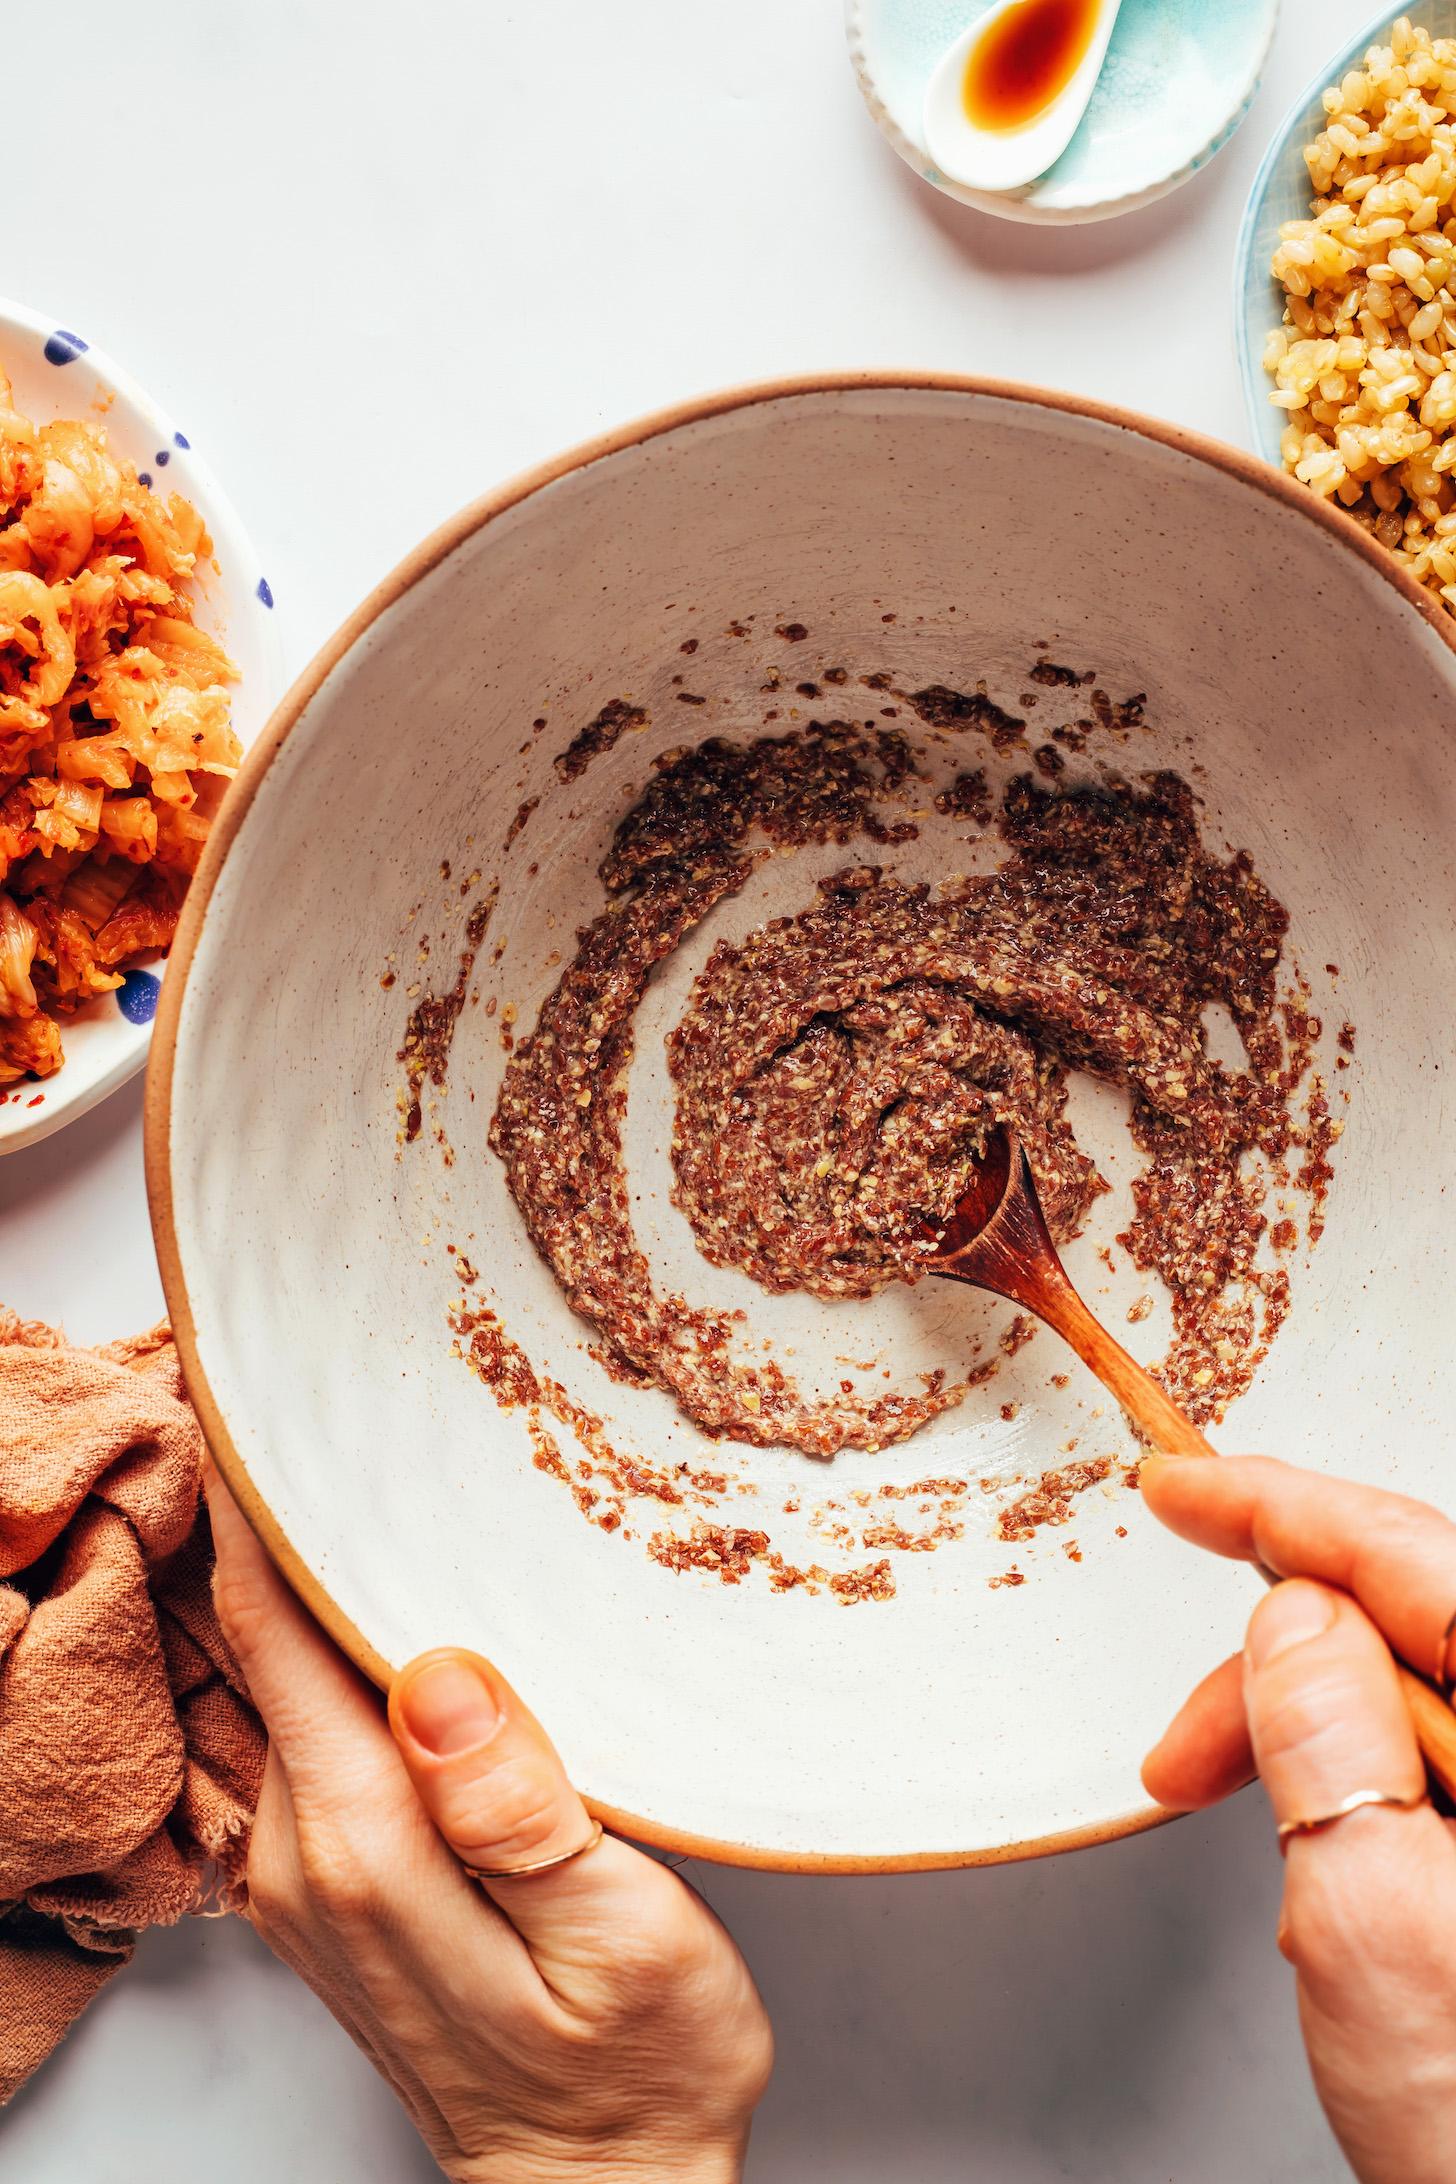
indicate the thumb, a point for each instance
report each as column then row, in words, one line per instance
column 482, row 1764
column 1329, row 1726
column 1370, row 1898
column 491, row 1780
column 1326, row 1715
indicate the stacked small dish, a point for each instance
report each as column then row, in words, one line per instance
column 1178, row 79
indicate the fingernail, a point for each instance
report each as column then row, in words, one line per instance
column 1293, row 1613
column 447, row 1705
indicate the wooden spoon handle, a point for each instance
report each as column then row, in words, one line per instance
column 1435, row 1727
column 1146, row 1402
column 1152, row 1408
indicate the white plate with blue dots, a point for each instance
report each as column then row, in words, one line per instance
column 1179, row 77
column 56, row 372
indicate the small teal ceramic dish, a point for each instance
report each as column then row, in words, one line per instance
column 1282, row 191
column 1179, row 77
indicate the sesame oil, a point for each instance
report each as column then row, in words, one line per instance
column 1025, row 61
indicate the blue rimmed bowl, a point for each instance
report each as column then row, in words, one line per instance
column 1179, row 77
column 56, row 372
column 1281, row 192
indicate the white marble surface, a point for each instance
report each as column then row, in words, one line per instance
column 330, row 238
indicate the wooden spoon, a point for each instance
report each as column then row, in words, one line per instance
column 997, row 1239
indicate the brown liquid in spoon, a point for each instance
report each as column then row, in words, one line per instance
column 1025, row 60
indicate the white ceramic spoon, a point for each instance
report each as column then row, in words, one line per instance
column 1007, row 158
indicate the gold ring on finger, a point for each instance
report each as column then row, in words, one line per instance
column 1316, row 1823
column 537, row 1865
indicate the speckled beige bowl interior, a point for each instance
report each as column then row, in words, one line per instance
column 938, row 532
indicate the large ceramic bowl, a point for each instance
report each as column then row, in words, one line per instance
column 57, row 373
column 933, row 529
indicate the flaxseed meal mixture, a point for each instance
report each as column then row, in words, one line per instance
column 836, row 1071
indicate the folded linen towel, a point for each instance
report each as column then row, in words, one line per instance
column 130, row 1758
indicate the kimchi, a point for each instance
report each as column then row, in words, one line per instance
column 115, row 736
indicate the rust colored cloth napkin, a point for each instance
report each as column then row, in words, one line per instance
column 130, row 1759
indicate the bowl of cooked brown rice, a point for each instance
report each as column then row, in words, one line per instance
column 1346, row 291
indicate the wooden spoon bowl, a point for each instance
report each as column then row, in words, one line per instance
column 997, row 1239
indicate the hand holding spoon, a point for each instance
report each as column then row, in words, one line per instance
column 997, row 1239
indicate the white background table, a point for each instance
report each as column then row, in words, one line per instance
column 331, row 240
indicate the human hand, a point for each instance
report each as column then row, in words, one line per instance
column 1313, row 1703
column 592, row 2022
